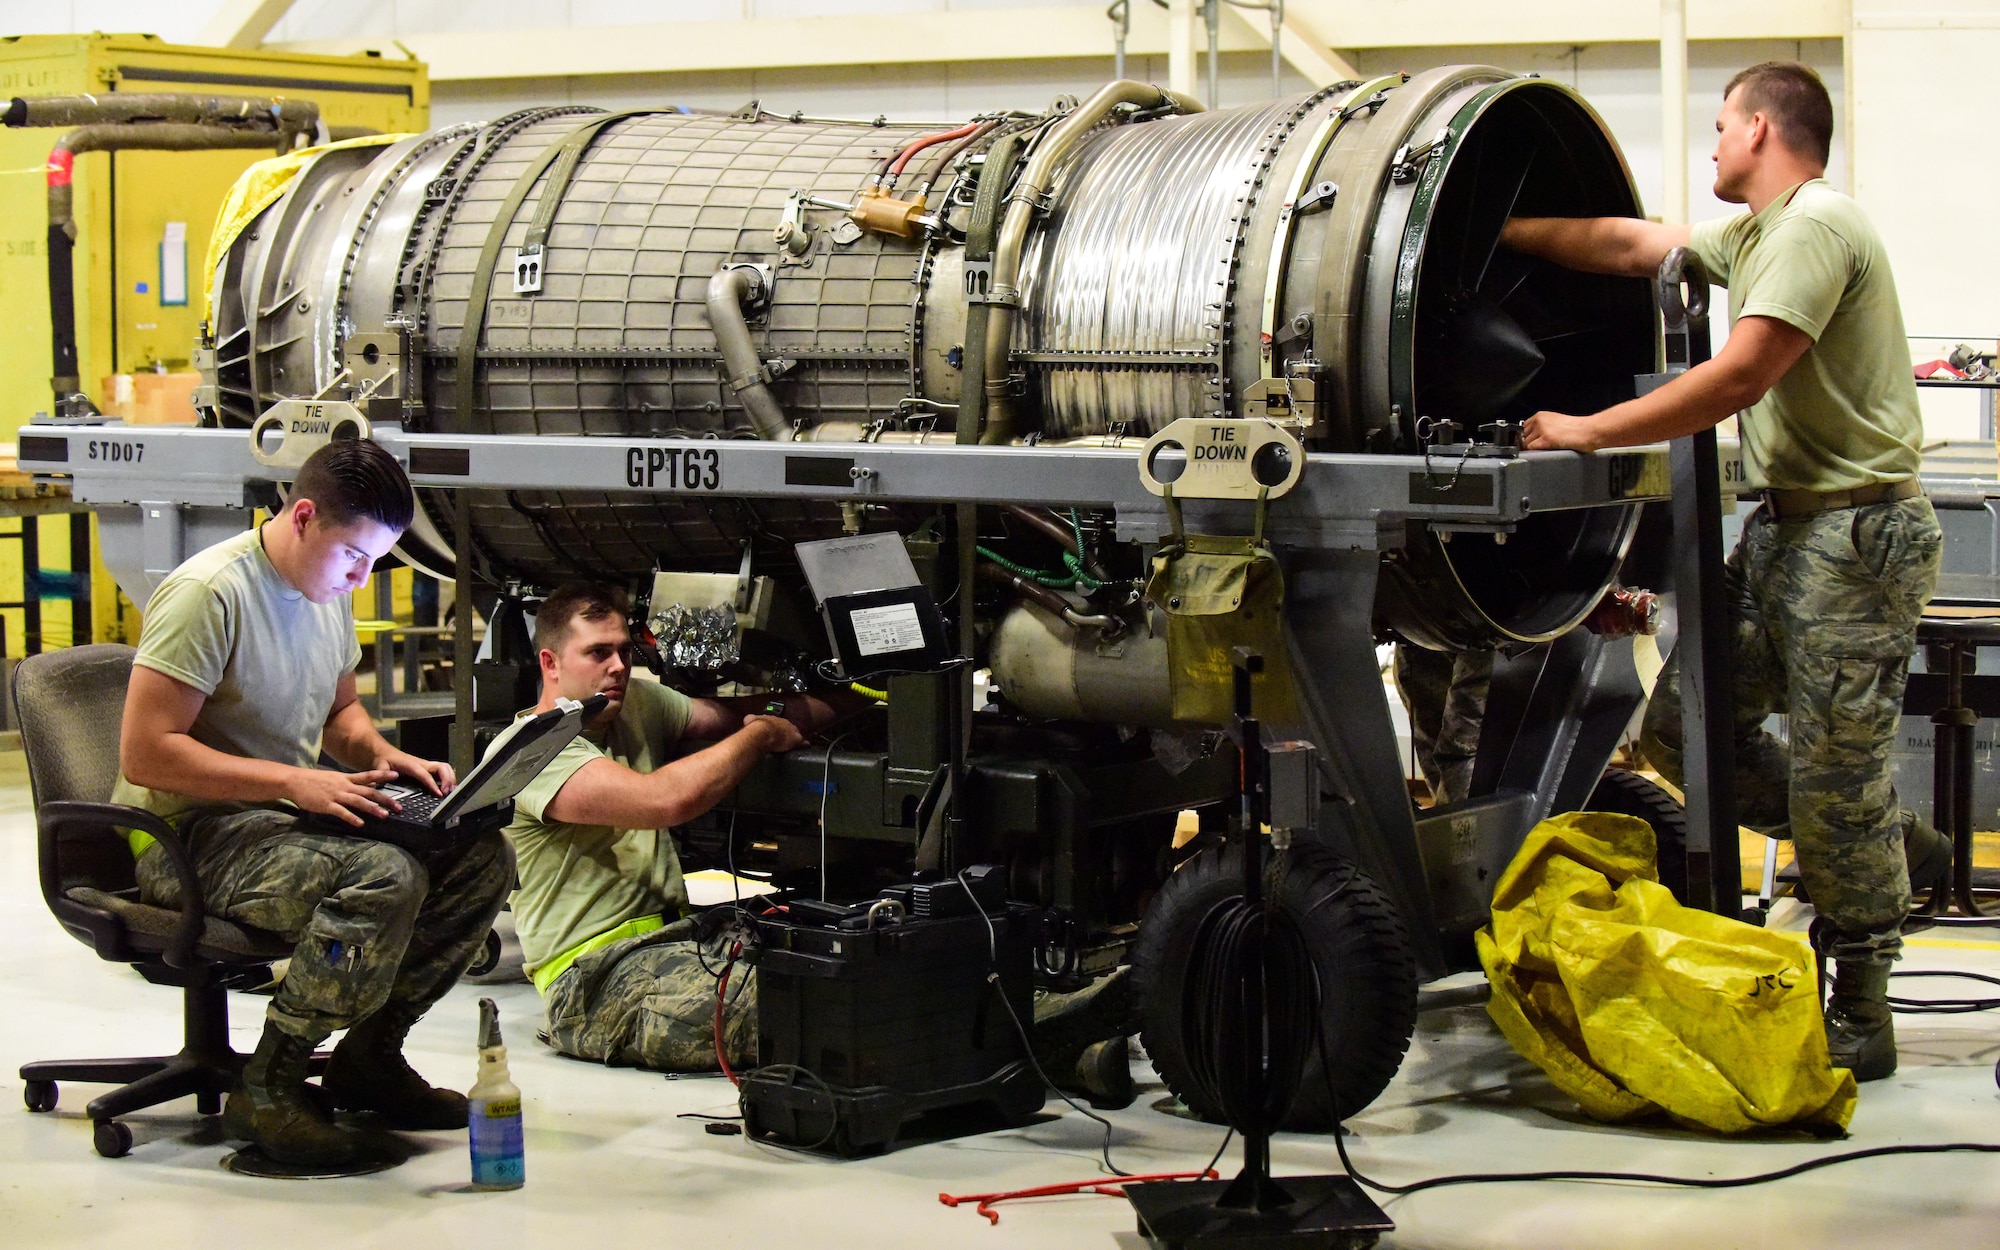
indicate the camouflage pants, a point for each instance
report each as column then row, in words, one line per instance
column 647, row 1002
column 1824, row 610
column 373, row 922
column 1446, row 697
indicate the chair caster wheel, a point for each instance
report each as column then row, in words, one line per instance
column 488, row 957
column 112, row 1139
column 39, row 1095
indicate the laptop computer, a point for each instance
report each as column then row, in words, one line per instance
column 484, row 797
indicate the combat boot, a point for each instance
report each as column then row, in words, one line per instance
column 1104, row 1072
column 1079, row 1040
column 272, row 1107
column 1928, row 853
column 1860, row 1031
column 368, row 1073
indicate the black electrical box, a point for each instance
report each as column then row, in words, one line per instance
column 899, row 630
column 862, row 1028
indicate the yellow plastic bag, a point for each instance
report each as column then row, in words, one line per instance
column 1635, row 1005
column 259, row 186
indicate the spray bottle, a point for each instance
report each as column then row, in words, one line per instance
column 495, row 1113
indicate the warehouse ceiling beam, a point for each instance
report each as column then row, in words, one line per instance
column 1060, row 31
column 243, row 23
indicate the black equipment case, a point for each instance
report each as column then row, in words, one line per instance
column 860, row 1028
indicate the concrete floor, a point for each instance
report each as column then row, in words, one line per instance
column 610, row 1165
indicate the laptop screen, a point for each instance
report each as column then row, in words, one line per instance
column 518, row 756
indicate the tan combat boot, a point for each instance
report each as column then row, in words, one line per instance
column 368, row 1073
column 1860, row 1031
column 273, row 1107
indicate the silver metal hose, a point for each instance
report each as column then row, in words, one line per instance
column 730, row 291
column 1022, row 204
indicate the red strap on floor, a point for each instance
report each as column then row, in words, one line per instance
column 1110, row 1187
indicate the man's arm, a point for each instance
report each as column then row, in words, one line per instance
column 350, row 736
column 1626, row 246
column 809, row 713
column 1760, row 350
column 605, row 792
column 155, row 750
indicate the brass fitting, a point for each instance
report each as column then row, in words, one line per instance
column 879, row 211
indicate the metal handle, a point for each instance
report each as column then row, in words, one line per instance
column 1682, row 267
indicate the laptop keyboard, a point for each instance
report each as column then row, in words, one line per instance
column 420, row 806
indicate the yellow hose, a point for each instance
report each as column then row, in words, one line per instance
column 880, row 696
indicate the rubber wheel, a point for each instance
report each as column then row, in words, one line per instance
column 112, row 1139
column 1629, row 794
column 488, row 958
column 39, row 1095
column 1367, row 975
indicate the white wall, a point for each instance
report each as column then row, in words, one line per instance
column 1928, row 78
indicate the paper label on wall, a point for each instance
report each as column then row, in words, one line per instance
column 890, row 628
column 173, row 265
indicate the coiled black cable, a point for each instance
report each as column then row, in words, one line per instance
column 1251, row 1077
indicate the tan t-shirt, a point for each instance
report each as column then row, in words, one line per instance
column 578, row 881
column 1845, row 415
column 268, row 658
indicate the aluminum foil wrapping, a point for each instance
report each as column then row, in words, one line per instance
column 697, row 638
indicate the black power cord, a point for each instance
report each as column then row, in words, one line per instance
column 1028, row 1043
column 1645, row 1178
column 1944, row 1006
column 1682, row 1182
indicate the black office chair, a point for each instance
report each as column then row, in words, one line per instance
column 70, row 703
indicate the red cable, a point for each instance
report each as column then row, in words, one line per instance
column 928, row 140
column 721, row 988
column 1110, row 1188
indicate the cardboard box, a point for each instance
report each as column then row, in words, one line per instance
column 151, row 398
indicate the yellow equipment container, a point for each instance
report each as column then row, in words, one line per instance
column 143, row 221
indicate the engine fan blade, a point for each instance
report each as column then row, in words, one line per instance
column 1482, row 360
column 1489, row 212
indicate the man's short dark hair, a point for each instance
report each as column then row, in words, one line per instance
column 354, row 479
column 1794, row 100
column 588, row 601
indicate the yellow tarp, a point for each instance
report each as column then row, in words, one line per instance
column 1635, row 1005
column 257, row 188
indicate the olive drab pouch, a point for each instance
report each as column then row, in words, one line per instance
column 1220, row 593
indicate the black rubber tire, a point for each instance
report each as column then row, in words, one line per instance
column 489, row 956
column 112, row 1139
column 39, row 1095
column 1367, row 974
column 1629, row 794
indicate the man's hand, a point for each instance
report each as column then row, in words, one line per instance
column 1556, row 431
column 344, row 795
column 433, row 775
column 776, row 733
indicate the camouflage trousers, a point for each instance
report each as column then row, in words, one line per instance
column 647, row 1002
column 373, row 922
column 1824, row 611
column 1446, row 697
